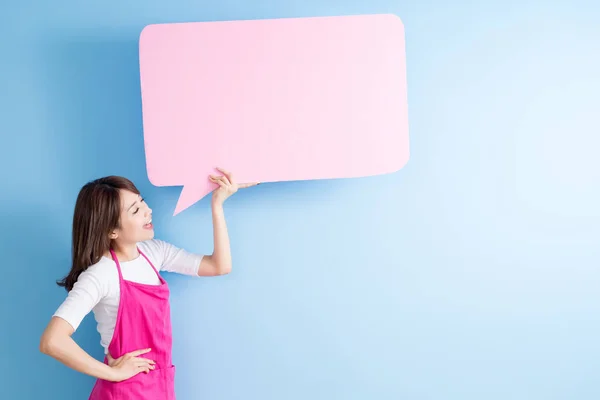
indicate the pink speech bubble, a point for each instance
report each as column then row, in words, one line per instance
column 273, row 100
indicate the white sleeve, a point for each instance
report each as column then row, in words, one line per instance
column 175, row 259
column 86, row 293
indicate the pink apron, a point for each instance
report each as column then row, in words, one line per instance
column 143, row 321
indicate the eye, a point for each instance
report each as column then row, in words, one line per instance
column 138, row 209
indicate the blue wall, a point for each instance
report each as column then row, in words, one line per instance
column 471, row 274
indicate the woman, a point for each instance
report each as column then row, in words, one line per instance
column 115, row 274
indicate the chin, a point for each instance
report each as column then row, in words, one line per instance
column 147, row 235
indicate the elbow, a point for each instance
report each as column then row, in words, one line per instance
column 225, row 269
column 221, row 265
column 49, row 345
column 214, row 265
column 54, row 338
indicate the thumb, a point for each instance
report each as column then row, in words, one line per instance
column 247, row 184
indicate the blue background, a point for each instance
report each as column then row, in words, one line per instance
column 472, row 273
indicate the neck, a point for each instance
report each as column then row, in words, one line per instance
column 124, row 252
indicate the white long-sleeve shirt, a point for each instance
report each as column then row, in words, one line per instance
column 97, row 288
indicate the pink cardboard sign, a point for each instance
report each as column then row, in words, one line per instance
column 273, row 100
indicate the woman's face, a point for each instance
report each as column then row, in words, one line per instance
column 136, row 219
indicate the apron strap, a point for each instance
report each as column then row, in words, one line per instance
column 152, row 265
column 114, row 257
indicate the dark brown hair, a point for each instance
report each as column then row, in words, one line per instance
column 97, row 213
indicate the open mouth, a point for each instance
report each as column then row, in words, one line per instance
column 148, row 225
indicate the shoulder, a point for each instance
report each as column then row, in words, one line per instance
column 155, row 249
column 101, row 274
column 153, row 245
column 97, row 282
column 169, row 257
column 104, row 267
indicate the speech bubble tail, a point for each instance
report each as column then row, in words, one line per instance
column 189, row 195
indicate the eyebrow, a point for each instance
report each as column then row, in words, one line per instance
column 133, row 204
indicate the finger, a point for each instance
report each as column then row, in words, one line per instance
column 226, row 179
column 140, row 364
column 224, row 172
column 227, row 174
column 247, row 185
column 218, row 179
column 222, row 181
column 138, row 352
column 147, row 360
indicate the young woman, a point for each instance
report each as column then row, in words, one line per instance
column 115, row 273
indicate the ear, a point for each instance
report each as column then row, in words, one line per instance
column 113, row 235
